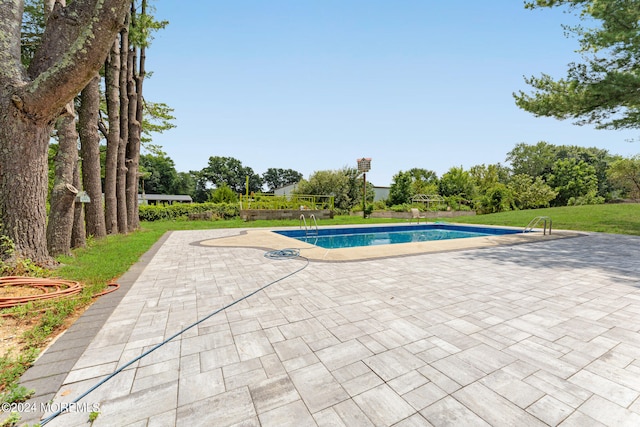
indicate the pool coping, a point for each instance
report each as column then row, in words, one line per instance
column 267, row 239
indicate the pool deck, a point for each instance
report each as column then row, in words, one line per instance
column 541, row 333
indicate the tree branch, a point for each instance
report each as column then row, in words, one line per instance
column 75, row 44
column 102, row 127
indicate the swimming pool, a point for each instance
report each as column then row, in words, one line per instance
column 350, row 237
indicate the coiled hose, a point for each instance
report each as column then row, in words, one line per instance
column 46, row 288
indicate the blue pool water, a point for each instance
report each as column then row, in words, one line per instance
column 349, row 237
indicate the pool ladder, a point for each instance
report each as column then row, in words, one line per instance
column 308, row 231
column 535, row 221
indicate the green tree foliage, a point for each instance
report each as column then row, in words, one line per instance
column 405, row 185
column 530, row 193
column 492, row 194
column 157, row 118
column 487, row 177
column 275, row 177
column 400, row 191
column 144, row 25
column 33, row 24
column 185, row 184
column 533, row 160
column 160, row 169
column 161, row 174
column 343, row 184
column 224, row 194
column 573, row 179
column 457, row 182
column 497, row 198
column 598, row 158
column 538, row 161
column 229, row 171
column 423, row 181
column 602, row 89
column 625, row 173
column 202, row 193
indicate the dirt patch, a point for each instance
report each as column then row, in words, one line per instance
column 19, row 291
column 11, row 332
column 13, row 328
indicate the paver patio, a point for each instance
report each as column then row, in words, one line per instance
column 535, row 334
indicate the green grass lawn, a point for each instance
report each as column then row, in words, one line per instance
column 615, row 218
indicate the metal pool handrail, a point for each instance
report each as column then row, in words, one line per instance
column 535, row 221
column 306, row 229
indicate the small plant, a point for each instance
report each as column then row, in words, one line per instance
column 93, row 415
column 11, row 369
column 50, row 320
column 7, row 247
column 17, row 394
column 12, row 421
column 21, row 311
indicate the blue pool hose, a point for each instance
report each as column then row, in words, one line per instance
column 277, row 255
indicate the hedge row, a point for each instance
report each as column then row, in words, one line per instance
column 187, row 210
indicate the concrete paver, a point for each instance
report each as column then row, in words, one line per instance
column 542, row 333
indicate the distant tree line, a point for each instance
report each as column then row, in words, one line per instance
column 221, row 180
column 538, row 175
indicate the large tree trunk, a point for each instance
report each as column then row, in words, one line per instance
column 60, row 224
column 133, row 147
column 137, row 74
column 73, row 48
column 90, row 152
column 23, row 180
column 64, row 193
column 127, row 111
column 24, row 143
column 112, row 73
column 123, row 221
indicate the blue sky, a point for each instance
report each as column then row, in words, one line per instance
column 316, row 84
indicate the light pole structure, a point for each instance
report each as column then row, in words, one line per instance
column 364, row 166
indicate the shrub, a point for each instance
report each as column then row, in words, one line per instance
column 183, row 210
column 458, row 203
column 498, row 198
column 590, row 198
column 379, row 205
column 404, row 207
column 224, row 194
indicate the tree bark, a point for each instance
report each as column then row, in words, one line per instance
column 61, row 214
column 112, row 80
column 73, row 48
column 64, row 193
column 121, row 187
column 23, row 180
column 136, row 76
column 90, row 152
column 123, row 220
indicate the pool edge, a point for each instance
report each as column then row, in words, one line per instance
column 266, row 239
